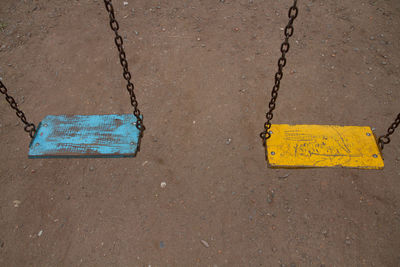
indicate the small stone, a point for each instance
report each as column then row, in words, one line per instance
column 91, row 168
column 205, row 243
column 68, row 197
column 198, row 39
column 293, row 265
column 125, row 3
column 284, row 176
column 348, row 241
column 40, row 233
column 325, row 233
column 228, row 141
column 162, row 245
column 274, row 249
column 372, row 38
column 384, row 63
column 16, row 203
column 163, row 184
column 236, row 29
column 270, row 197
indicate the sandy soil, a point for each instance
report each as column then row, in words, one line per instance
column 203, row 72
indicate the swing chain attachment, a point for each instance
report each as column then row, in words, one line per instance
column 124, row 63
column 29, row 127
column 385, row 139
column 292, row 14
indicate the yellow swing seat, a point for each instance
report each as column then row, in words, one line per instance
column 305, row 146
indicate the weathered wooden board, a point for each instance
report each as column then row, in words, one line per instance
column 85, row 136
column 298, row 146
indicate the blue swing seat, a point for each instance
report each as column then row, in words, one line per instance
column 86, row 136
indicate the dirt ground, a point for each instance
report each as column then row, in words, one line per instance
column 203, row 72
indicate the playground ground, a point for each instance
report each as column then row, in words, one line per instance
column 203, row 72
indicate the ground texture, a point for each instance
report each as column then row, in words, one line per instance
column 203, row 72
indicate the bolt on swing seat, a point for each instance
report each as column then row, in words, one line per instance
column 80, row 136
column 302, row 146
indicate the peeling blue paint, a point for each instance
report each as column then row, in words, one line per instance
column 86, row 136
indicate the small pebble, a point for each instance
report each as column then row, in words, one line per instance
column 16, row 203
column 270, row 197
column 162, row 245
column 163, row 184
column 125, row 3
column 228, row 141
column 284, row 176
column 91, row 168
column 325, row 233
column 40, row 233
column 205, row 243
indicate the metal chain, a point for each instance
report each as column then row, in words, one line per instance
column 29, row 127
column 124, row 63
column 292, row 14
column 384, row 139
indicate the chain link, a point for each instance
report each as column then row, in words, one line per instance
column 29, row 127
column 289, row 30
column 385, row 139
column 124, row 63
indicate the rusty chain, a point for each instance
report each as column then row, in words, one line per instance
column 29, row 127
column 124, row 63
column 385, row 139
column 292, row 14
